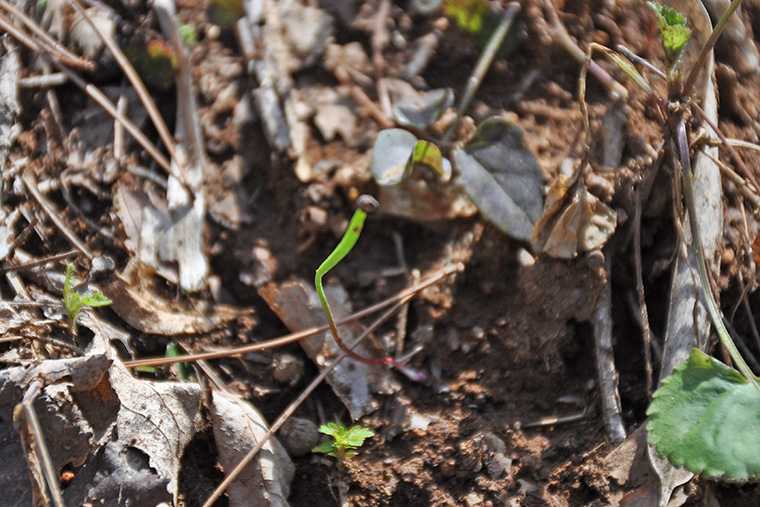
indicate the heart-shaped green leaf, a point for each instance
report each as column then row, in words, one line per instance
column 502, row 177
column 706, row 417
column 396, row 152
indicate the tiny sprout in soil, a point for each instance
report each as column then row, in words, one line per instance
column 344, row 441
column 365, row 204
column 74, row 301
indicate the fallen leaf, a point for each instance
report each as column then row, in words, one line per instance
column 573, row 221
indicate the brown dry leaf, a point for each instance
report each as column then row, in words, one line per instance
column 297, row 305
column 573, row 221
column 238, row 426
column 143, row 309
column 127, row 437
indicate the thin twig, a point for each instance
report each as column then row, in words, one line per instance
column 646, row 332
column 94, row 93
column 40, row 262
column 299, row 335
column 40, row 446
column 44, row 80
column 616, row 90
column 605, row 359
column 52, row 45
column 359, row 96
column 730, row 149
column 707, row 48
column 55, row 216
column 134, row 78
column 482, row 65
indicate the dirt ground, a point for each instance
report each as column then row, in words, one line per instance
column 511, row 415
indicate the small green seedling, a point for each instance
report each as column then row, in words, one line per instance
column 365, row 204
column 74, row 301
column 344, row 441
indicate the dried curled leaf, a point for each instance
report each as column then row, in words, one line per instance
column 573, row 221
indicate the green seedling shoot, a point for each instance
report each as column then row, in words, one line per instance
column 74, row 301
column 344, row 441
column 365, row 204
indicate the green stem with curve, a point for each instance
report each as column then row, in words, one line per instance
column 365, row 203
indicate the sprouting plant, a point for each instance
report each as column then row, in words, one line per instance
column 344, row 441
column 365, row 204
column 74, row 301
column 705, row 415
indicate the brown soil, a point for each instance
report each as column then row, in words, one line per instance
column 511, row 343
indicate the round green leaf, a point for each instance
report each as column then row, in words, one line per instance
column 390, row 155
column 706, row 417
column 396, row 152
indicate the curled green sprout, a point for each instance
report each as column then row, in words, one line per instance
column 364, row 204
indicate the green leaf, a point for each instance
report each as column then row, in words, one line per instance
column 478, row 18
column 326, row 448
column 356, row 435
column 470, row 15
column 397, row 152
column 706, row 417
column 673, row 30
column 331, row 428
column 95, row 299
column 502, row 177
column 225, row 12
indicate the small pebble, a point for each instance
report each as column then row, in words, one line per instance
column 287, row 369
column 299, row 436
column 728, row 256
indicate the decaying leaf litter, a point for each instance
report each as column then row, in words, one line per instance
column 287, row 106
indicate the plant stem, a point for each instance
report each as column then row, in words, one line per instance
column 682, row 143
column 707, row 48
column 481, row 67
column 365, row 204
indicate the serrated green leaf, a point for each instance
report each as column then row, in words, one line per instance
column 330, row 428
column 706, row 417
column 397, row 152
column 95, row 300
column 502, row 177
column 356, row 435
column 325, row 448
column 673, row 30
